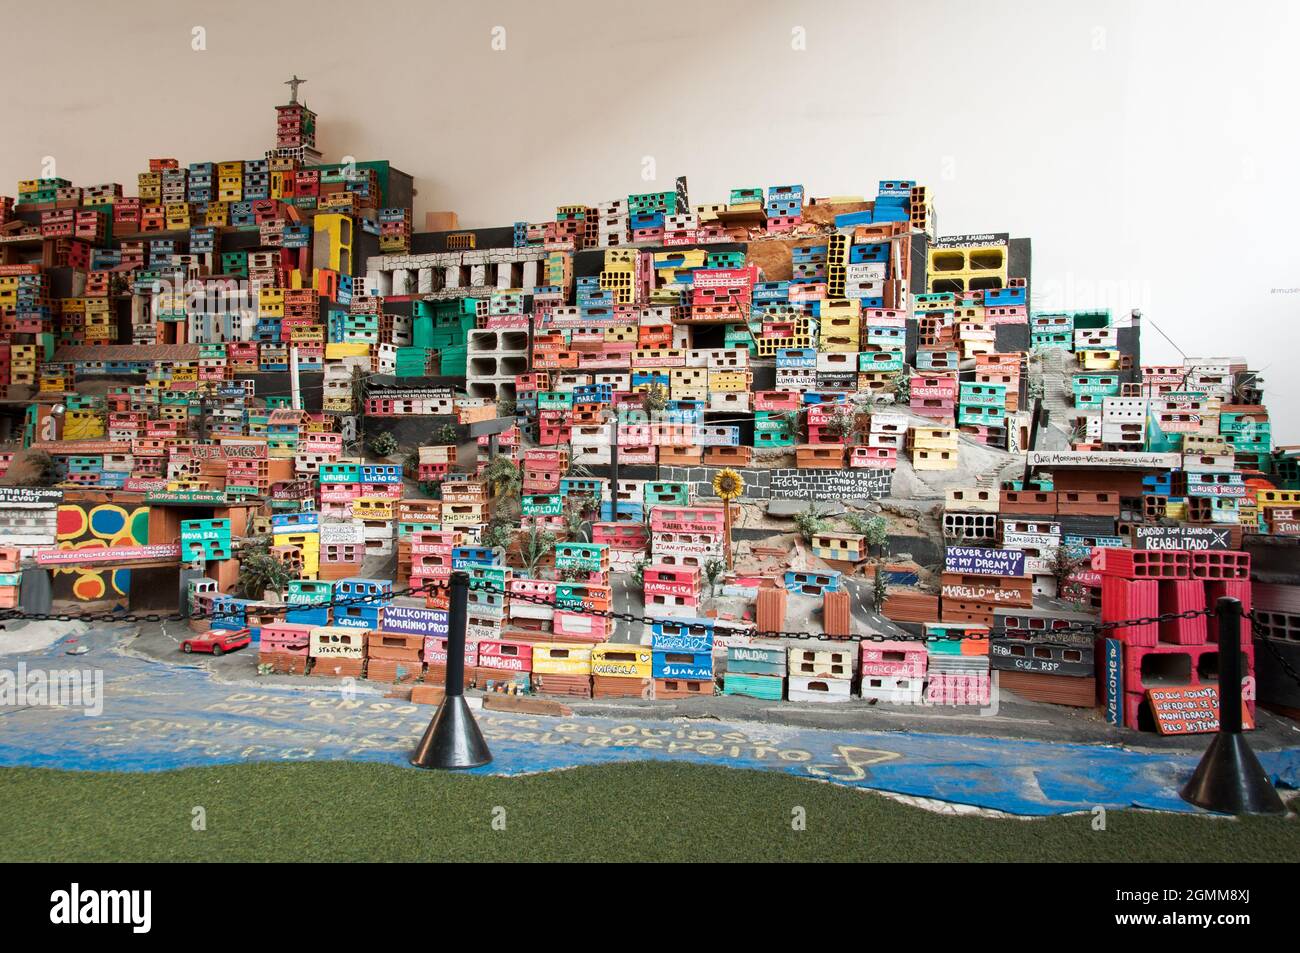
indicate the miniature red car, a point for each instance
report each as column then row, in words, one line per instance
column 218, row 641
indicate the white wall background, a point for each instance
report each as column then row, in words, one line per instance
column 1149, row 147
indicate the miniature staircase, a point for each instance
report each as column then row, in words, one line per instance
column 1057, row 365
column 992, row 478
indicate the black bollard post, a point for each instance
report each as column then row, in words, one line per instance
column 613, row 473
column 1230, row 778
column 452, row 739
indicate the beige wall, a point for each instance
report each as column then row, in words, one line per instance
column 1149, row 148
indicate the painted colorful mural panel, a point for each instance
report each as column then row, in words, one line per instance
column 98, row 526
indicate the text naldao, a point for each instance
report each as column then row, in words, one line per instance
column 77, row 906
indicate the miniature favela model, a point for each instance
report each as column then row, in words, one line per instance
column 744, row 456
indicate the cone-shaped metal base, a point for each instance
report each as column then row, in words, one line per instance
column 1231, row 780
column 452, row 739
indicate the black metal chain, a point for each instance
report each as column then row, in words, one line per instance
column 235, row 613
column 1088, row 628
column 1268, row 642
column 553, row 602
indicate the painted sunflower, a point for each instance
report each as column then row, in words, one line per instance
column 728, row 484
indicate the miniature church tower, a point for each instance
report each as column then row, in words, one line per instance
column 295, row 129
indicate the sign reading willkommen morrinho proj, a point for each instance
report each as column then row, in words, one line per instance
column 30, row 496
column 1182, row 537
column 984, row 562
column 413, row 620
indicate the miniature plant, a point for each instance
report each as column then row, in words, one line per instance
column 655, row 398
column 41, row 469
column 1063, row 565
column 811, row 521
column 448, row 435
column 638, row 573
column 879, row 589
column 537, row 545
column 1246, row 390
column 498, row 533
column 578, row 509
column 856, row 522
column 503, row 476
column 506, row 408
column 877, row 531
column 713, row 570
column 259, row 571
column 382, row 444
column 431, row 488
column 843, row 425
column 901, row 386
column 505, row 481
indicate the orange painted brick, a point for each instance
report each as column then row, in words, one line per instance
column 835, row 614
column 771, row 610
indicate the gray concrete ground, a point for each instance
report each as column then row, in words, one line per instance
column 1012, row 717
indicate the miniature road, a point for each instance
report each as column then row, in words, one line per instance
column 861, row 606
column 626, row 597
column 162, row 714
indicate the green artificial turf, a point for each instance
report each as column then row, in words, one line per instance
column 338, row 811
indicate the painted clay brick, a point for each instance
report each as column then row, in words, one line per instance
column 836, row 621
column 1183, row 595
column 1142, row 563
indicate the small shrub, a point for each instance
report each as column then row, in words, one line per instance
column 856, row 522
column 260, row 571
column 497, row 534
column 713, row 570
column 1063, row 565
column 537, row 544
column 811, row 521
column 655, row 399
column 579, row 508
column 877, row 531
column 504, row 477
column 383, row 444
column 38, row 469
column 843, row 424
